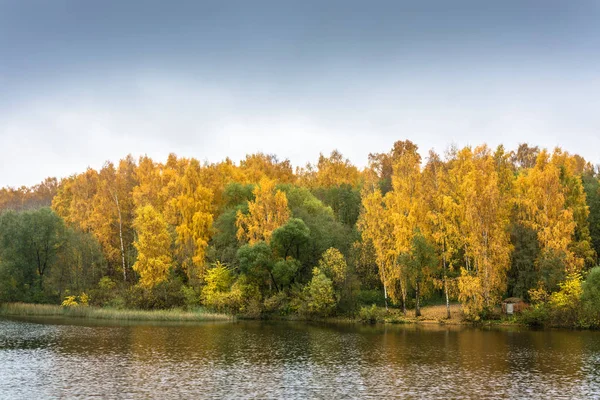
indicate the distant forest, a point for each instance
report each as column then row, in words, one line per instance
column 474, row 225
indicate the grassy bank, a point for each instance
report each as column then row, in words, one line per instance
column 47, row 310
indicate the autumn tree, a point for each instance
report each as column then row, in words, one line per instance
column 153, row 244
column 188, row 209
column 376, row 226
column 483, row 219
column 259, row 165
column 148, row 189
column 571, row 169
column 441, row 224
column 541, row 202
column 421, row 262
column 333, row 264
column 331, row 171
column 266, row 213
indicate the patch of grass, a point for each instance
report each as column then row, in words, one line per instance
column 47, row 310
column 429, row 314
column 438, row 313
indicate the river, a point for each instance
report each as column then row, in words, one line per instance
column 60, row 358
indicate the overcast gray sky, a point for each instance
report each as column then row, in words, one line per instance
column 82, row 82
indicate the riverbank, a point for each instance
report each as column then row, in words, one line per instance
column 432, row 315
column 48, row 310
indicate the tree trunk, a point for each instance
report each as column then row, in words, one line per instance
column 116, row 198
column 403, row 291
column 446, row 283
column 274, row 282
column 417, row 299
column 385, row 297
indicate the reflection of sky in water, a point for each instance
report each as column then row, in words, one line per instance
column 294, row 360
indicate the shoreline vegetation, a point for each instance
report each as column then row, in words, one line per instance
column 431, row 315
column 260, row 239
column 90, row 312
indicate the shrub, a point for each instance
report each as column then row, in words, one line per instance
column 372, row 296
column 279, row 302
column 317, row 298
column 215, row 293
column 76, row 301
column 371, row 314
column 561, row 308
column 565, row 304
column 191, row 297
column 104, row 293
column 70, row 301
column 538, row 315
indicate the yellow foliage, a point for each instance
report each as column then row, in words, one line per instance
column 541, row 201
column 538, row 295
column 569, row 294
column 376, row 225
column 153, row 245
column 333, row 264
column 470, row 294
column 330, row 171
column 259, row 165
column 266, row 213
column 84, row 299
column 189, row 210
column 482, row 219
column 70, row 301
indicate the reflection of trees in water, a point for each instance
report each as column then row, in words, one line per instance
column 287, row 359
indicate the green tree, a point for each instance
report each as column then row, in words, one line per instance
column 256, row 262
column 288, row 239
column 523, row 274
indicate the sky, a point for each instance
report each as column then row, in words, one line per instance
column 83, row 82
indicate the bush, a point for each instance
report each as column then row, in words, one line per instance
column 104, row 293
column 538, row 315
column 165, row 295
column 371, row 314
column 76, row 301
column 561, row 308
column 278, row 303
column 318, row 297
column 216, row 293
column 372, row 296
column 565, row 304
column 70, row 301
column 191, row 297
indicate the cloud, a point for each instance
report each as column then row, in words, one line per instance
column 84, row 123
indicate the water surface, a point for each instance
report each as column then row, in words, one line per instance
column 59, row 358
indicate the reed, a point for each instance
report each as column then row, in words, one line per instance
column 47, row 310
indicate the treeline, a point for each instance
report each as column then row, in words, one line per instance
column 259, row 237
